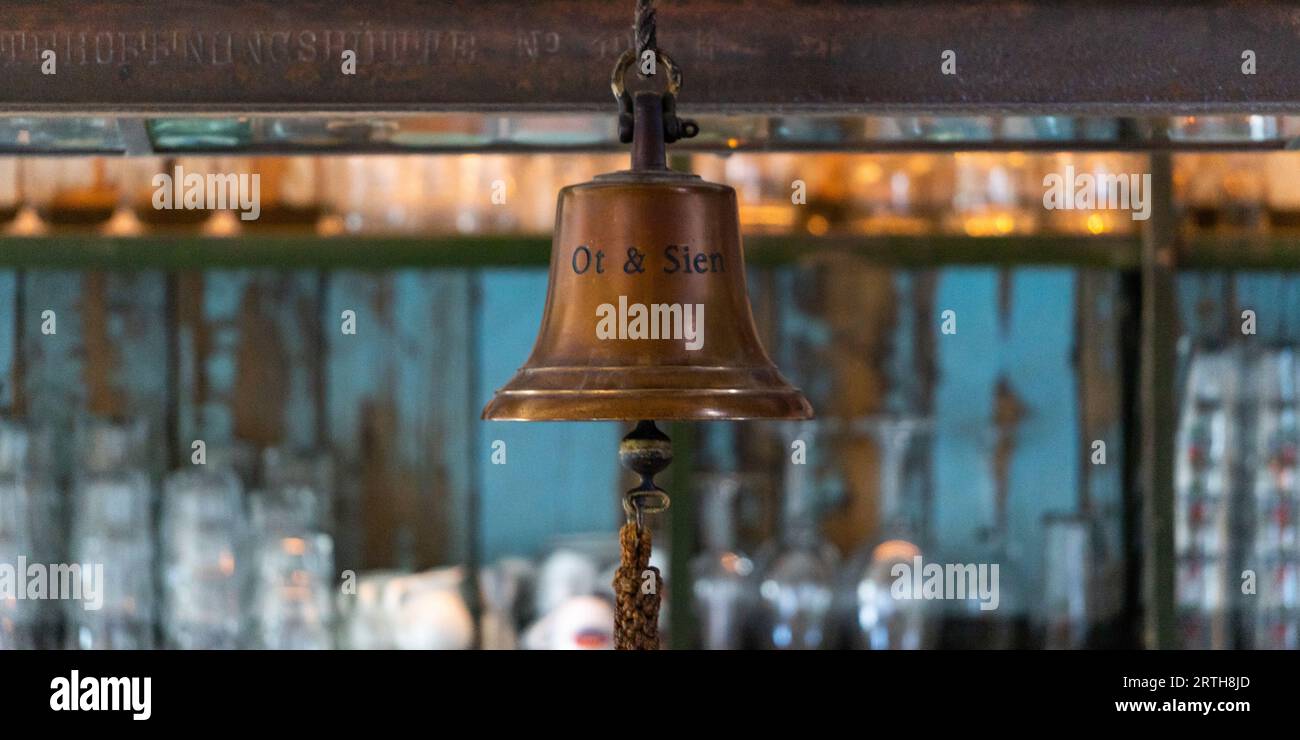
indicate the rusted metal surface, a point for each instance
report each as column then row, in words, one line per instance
column 767, row 55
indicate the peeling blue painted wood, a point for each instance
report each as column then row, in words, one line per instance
column 55, row 390
column 396, row 408
column 1275, row 299
column 1038, row 358
column 260, row 367
column 1100, row 376
column 968, row 367
column 8, row 337
column 560, row 477
column 1035, row 358
column 106, row 356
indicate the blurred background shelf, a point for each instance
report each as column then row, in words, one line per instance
column 153, row 252
column 1075, row 327
column 1244, row 253
column 516, row 133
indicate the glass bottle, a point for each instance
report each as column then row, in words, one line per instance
column 1067, row 570
column 292, row 554
column 1282, row 170
column 29, row 529
column 763, row 184
column 1275, row 540
column 72, row 191
column 1115, row 202
column 141, row 190
column 992, row 195
column 487, row 194
column 896, row 194
column 1196, row 183
column 720, row 574
column 795, row 589
column 881, row 619
column 971, row 622
column 112, row 537
column 202, row 529
column 381, row 194
column 10, row 199
column 1244, row 187
column 290, row 190
column 1202, row 489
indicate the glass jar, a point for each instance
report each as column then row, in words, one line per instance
column 881, row 619
column 894, row 194
column 29, row 535
column 202, row 531
column 10, row 192
column 72, row 191
column 290, row 189
column 795, row 587
column 992, row 195
column 721, row 575
column 292, row 554
column 1114, row 202
column 112, row 537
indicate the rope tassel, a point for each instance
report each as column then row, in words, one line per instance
column 636, row 625
column 637, row 586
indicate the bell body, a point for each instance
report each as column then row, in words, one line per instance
column 647, row 315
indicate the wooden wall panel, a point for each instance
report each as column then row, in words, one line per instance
column 108, row 354
column 1101, row 314
column 1038, row 363
column 256, row 357
column 838, row 323
column 1003, row 394
column 10, row 367
column 249, row 359
column 1007, row 436
column 560, row 477
column 968, row 373
column 397, row 410
column 1275, row 299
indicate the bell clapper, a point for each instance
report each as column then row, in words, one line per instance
column 645, row 451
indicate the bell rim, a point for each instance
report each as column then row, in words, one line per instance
column 612, row 404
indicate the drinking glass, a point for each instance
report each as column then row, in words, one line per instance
column 112, row 537
column 880, row 619
column 795, row 589
column 201, row 531
column 720, row 575
column 1067, row 570
column 29, row 534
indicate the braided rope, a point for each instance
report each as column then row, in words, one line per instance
column 645, row 27
column 636, row 619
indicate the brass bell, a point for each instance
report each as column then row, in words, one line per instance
column 646, row 318
column 647, row 315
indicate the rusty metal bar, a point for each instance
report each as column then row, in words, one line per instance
column 247, row 56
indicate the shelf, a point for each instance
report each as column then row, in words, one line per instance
column 72, row 252
column 522, row 133
column 1244, row 252
column 82, row 252
column 88, row 252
